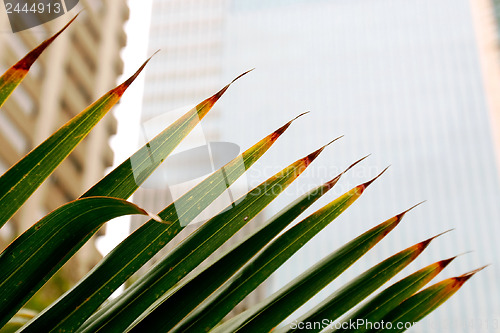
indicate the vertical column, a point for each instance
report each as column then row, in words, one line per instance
column 46, row 119
column 486, row 31
column 111, row 22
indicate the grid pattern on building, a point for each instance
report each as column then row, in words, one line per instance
column 406, row 81
column 80, row 66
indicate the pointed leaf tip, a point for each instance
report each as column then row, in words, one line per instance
column 244, row 73
column 469, row 274
column 218, row 94
column 122, row 87
column 28, row 60
column 461, row 279
column 355, row 163
column 283, row 128
column 428, row 240
column 309, row 158
column 335, row 179
column 368, row 183
column 400, row 215
column 156, row 218
column 445, row 262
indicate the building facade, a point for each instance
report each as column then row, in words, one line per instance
column 188, row 69
column 81, row 65
column 415, row 83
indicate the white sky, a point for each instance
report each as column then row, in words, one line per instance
column 128, row 112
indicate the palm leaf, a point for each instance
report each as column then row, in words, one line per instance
column 285, row 301
column 355, row 291
column 191, row 293
column 14, row 75
column 22, row 179
column 29, row 261
column 82, row 300
column 374, row 310
column 194, row 249
column 258, row 269
column 421, row 304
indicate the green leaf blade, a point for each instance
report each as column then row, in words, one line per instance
column 192, row 293
column 281, row 304
column 83, row 299
column 424, row 302
column 30, row 260
column 194, row 249
column 355, row 291
column 23, row 178
column 258, row 269
column 385, row 301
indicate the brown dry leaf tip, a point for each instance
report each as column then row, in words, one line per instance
column 464, row 277
column 283, row 128
column 334, row 181
column 400, row 215
column 217, row 95
column 28, row 60
column 445, row 262
column 309, row 158
column 368, row 183
column 426, row 242
column 122, row 87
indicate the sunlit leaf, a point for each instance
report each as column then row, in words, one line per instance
column 14, row 75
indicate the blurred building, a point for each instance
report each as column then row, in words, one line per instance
column 416, row 83
column 189, row 68
column 80, row 66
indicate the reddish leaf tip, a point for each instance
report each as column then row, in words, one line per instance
column 283, row 128
column 355, row 163
column 400, row 215
column 28, row 60
column 309, row 158
column 464, row 277
column 218, row 94
column 122, row 87
column 244, row 73
column 445, row 262
column 368, row 183
column 426, row 242
column 334, row 180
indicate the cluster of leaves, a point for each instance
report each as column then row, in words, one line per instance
column 166, row 298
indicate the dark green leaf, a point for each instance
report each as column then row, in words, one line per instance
column 271, row 258
column 81, row 301
column 193, row 250
column 190, row 294
column 30, row 260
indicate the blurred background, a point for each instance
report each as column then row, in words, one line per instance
column 415, row 83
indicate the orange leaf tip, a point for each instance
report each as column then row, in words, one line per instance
column 400, row 215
